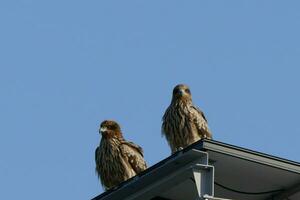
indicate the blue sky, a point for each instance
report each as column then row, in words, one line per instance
column 67, row 65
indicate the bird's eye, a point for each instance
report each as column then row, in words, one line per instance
column 113, row 127
column 110, row 127
column 175, row 90
column 188, row 91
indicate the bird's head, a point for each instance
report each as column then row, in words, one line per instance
column 109, row 128
column 182, row 92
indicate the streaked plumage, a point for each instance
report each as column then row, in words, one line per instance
column 117, row 159
column 183, row 123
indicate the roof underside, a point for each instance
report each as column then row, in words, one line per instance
column 240, row 174
column 246, row 173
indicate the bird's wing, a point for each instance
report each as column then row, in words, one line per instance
column 96, row 153
column 200, row 121
column 134, row 155
column 164, row 120
column 97, row 159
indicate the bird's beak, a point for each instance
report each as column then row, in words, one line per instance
column 181, row 92
column 102, row 129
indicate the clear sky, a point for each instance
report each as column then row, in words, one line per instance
column 67, row 65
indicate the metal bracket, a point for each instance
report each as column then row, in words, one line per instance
column 204, row 179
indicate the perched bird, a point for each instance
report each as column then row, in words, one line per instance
column 183, row 123
column 116, row 159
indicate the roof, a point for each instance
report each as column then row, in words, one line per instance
column 238, row 173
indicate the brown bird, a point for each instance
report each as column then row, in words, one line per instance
column 183, row 123
column 116, row 159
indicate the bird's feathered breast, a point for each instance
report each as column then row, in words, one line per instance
column 183, row 124
column 175, row 117
column 118, row 160
column 108, row 159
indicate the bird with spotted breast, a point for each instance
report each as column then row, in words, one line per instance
column 183, row 122
column 116, row 159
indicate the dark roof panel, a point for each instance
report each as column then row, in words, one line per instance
column 239, row 174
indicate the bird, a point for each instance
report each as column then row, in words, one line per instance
column 116, row 159
column 183, row 122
